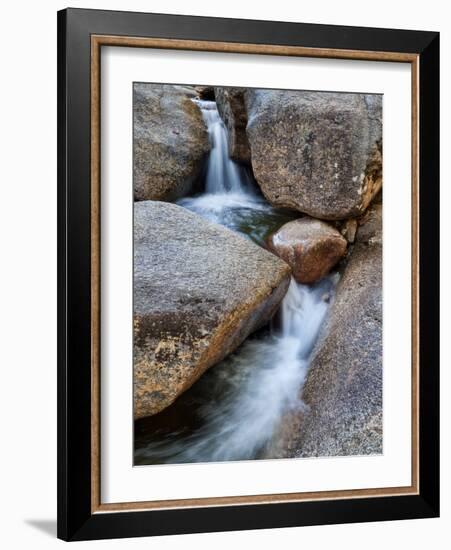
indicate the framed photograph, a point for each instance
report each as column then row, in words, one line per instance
column 248, row 274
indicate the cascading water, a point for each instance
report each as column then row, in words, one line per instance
column 223, row 175
column 239, row 404
column 230, row 196
column 250, row 391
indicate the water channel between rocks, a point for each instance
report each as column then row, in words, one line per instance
column 234, row 411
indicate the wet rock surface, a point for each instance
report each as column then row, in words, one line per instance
column 310, row 247
column 231, row 107
column 170, row 141
column 199, row 291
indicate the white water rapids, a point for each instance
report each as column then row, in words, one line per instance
column 240, row 402
column 229, row 192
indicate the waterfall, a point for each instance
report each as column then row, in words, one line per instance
column 244, row 398
column 228, row 184
column 223, row 175
column 253, row 388
column 303, row 310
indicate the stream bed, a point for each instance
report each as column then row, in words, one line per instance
column 235, row 409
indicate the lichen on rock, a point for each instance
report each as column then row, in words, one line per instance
column 199, row 291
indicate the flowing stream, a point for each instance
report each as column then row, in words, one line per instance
column 234, row 411
column 231, row 197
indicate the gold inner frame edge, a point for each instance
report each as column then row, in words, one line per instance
column 97, row 41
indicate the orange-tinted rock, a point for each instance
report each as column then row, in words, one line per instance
column 310, row 247
column 199, row 291
column 349, row 230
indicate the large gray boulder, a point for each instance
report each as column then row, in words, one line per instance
column 199, row 291
column 343, row 390
column 231, row 107
column 170, row 141
column 316, row 152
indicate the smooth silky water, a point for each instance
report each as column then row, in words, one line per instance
column 231, row 197
column 234, row 411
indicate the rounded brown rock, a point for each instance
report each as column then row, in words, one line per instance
column 310, row 247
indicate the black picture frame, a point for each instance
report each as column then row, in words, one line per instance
column 76, row 521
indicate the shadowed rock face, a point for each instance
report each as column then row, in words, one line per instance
column 170, row 141
column 316, row 152
column 199, row 291
column 310, row 247
column 344, row 386
column 230, row 102
column 205, row 92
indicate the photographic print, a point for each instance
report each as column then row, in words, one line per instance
column 257, row 292
column 248, row 265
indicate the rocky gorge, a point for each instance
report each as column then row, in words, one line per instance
column 257, row 273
